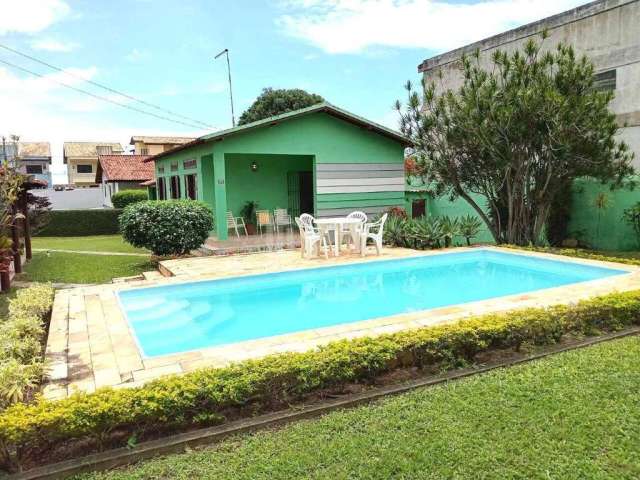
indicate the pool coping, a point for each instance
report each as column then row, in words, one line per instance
column 92, row 345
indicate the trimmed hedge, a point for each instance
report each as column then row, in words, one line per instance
column 578, row 253
column 167, row 227
column 126, row 197
column 78, row 223
column 211, row 395
column 21, row 338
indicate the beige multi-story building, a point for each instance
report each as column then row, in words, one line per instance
column 607, row 31
column 81, row 159
column 145, row 145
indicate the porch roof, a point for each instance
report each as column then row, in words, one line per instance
column 324, row 107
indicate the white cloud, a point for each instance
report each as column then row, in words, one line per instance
column 53, row 45
column 352, row 26
column 31, row 16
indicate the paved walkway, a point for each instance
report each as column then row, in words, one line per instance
column 90, row 344
column 89, row 252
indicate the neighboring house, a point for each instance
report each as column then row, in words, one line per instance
column 81, row 159
column 145, row 145
column 122, row 172
column 30, row 158
column 34, row 158
column 321, row 159
column 607, row 31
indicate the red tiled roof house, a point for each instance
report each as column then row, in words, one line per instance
column 122, row 172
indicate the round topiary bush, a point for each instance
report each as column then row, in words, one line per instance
column 172, row 227
column 126, row 197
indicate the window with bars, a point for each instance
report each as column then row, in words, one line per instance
column 188, row 164
column 605, row 81
column 174, row 167
column 175, row 187
column 192, row 186
column 162, row 194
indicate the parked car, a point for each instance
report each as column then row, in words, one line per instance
column 58, row 188
column 68, row 187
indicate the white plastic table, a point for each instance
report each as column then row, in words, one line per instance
column 335, row 224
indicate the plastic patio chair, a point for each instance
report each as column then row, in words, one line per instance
column 351, row 231
column 310, row 237
column 235, row 222
column 281, row 218
column 373, row 231
column 264, row 220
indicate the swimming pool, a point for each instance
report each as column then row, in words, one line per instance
column 190, row 316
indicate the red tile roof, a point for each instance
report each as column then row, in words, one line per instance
column 124, row 168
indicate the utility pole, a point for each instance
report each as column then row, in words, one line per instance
column 226, row 52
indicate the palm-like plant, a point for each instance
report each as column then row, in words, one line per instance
column 450, row 228
column 469, row 227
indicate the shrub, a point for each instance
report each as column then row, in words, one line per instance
column 631, row 216
column 21, row 339
column 170, row 227
column 126, row 197
column 206, row 396
column 77, row 223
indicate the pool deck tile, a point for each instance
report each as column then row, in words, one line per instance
column 90, row 344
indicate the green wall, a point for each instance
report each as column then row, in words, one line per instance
column 267, row 186
column 611, row 234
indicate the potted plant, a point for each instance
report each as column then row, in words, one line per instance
column 248, row 212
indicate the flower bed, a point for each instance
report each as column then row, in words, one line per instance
column 211, row 396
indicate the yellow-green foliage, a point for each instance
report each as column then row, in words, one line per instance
column 21, row 337
column 206, row 396
column 581, row 253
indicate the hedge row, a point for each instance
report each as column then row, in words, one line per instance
column 126, row 197
column 209, row 396
column 579, row 253
column 77, row 223
column 21, row 338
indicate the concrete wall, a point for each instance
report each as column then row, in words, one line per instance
column 607, row 31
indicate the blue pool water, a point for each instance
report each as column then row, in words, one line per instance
column 178, row 318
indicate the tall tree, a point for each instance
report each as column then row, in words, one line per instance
column 275, row 102
column 514, row 135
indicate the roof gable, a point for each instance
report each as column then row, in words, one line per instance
column 124, row 168
column 320, row 107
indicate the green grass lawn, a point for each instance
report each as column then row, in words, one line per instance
column 79, row 268
column 94, row 243
column 571, row 416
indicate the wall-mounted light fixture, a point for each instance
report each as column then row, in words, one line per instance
column 254, row 167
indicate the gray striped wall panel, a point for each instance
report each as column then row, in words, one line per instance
column 359, row 177
column 337, row 167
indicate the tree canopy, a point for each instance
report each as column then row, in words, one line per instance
column 514, row 136
column 275, row 102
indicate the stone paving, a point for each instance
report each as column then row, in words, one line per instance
column 90, row 344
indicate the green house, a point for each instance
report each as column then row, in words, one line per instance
column 320, row 160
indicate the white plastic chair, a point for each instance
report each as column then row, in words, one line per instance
column 281, row 218
column 310, row 237
column 235, row 222
column 307, row 219
column 352, row 232
column 264, row 220
column 373, row 231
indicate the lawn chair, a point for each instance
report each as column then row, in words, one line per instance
column 281, row 218
column 374, row 231
column 235, row 222
column 264, row 220
column 310, row 237
column 351, row 233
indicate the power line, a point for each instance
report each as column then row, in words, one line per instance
column 107, row 88
column 99, row 97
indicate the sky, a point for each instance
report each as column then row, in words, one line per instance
column 357, row 54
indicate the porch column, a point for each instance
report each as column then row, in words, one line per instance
column 220, row 194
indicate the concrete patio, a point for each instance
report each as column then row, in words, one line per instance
column 90, row 343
